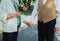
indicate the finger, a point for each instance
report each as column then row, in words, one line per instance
column 27, row 23
column 30, row 25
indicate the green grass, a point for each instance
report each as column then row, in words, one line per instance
column 0, row 28
column 0, row 32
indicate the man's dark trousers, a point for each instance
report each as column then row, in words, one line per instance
column 46, row 30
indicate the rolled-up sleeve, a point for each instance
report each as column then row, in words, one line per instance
column 3, row 17
column 3, row 14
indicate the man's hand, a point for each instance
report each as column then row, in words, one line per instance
column 28, row 23
column 56, row 29
column 23, row 7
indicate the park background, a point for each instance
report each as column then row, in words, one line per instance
column 26, row 33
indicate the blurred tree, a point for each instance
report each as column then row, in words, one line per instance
column 0, row 0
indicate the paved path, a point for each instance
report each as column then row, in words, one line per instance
column 29, row 34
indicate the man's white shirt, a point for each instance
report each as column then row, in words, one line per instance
column 34, row 12
column 7, row 7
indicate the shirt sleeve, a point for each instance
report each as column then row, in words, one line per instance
column 3, row 16
column 6, row 7
column 34, row 12
column 57, row 3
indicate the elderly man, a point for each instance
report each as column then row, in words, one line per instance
column 8, row 16
column 48, row 18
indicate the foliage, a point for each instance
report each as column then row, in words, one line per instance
column 28, row 4
column 0, row 29
column 0, row 0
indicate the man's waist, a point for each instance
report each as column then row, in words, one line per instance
column 45, row 21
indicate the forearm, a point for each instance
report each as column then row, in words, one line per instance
column 13, row 15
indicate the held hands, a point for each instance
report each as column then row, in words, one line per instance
column 28, row 23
